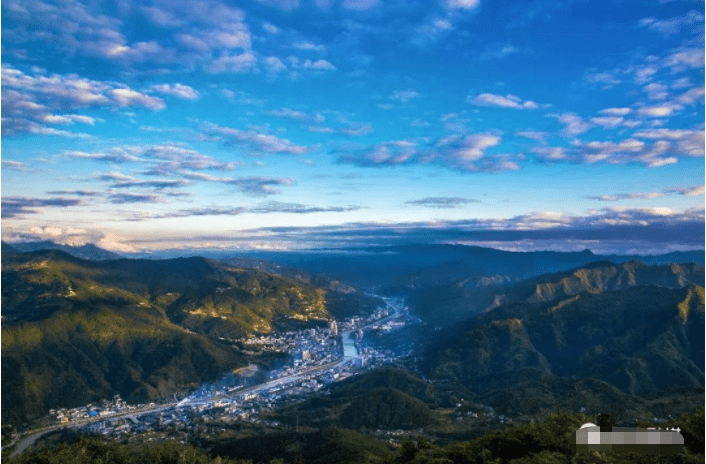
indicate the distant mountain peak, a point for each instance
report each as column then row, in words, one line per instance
column 87, row 251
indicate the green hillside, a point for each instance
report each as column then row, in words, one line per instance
column 388, row 409
column 546, row 441
column 628, row 344
column 324, row 446
column 386, row 398
column 74, row 331
column 444, row 304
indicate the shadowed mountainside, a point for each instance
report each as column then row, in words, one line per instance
column 637, row 341
column 448, row 303
column 386, row 398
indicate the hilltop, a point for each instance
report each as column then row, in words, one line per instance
column 87, row 251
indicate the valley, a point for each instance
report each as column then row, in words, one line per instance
column 235, row 353
column 340, row 359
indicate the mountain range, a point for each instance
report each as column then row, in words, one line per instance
column 444, row 304
column 87, row 251
column 74, row 331
column 628, row 330
column 523, row 333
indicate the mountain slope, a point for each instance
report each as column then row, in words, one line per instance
column 395, row 269
column 605, row 276
column 74, row 331
column 642, row 340
column 445, row 304
column 87, row 251
column 386, row 398
column 7, row 248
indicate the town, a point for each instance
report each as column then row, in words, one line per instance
column 319, row 356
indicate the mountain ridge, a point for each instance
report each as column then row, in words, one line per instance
column 76, row 330
column 86, row 251
column 626, row 338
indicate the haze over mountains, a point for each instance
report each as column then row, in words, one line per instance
column 87, row 251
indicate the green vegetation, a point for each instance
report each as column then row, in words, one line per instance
column 544, row 442
column 549, row 441
column 386, row 399
column 445, row 303
column 77, row 331
column 94, row 451
column 318, row 447
column 620, row 342
column 386, row 408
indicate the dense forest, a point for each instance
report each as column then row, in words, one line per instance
column 547, row 441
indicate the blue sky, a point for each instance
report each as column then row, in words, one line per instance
column 287, row 124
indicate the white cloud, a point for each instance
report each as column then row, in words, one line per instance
column 308, row 46
column 319, row 65
column 628, row 196
column 507, row 101
column 129, row 97
column 30, row 101
column 668, row 27
column 684, row 58
column 321, row 129
column 673, row 134
column 616, row 111
column 114, row 242
column 656, row 91
column 298, row 116
column 15, row 165
column 46, row 232
column 270, row 28
column 355, row 130
column 419, row 123
column 273, row 64
column 606, row 78
column 608, row 121
column 189, row 34
column 551, row 153
column 462, row 4
column 255, row 143
column 693, row 192
column 237, row 64
column 691, row 96
column 573, row 123
column 534, row 135
column 177, row 90
column 403, row 96
column 656, row 111
column 161, row 17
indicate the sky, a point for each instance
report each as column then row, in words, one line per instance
column 299, row 124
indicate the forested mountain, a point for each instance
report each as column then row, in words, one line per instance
column 386, row 398
column 74, row 331
column 401, row 268
column 87, row 251
column 638, row 341
column 452, row 302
